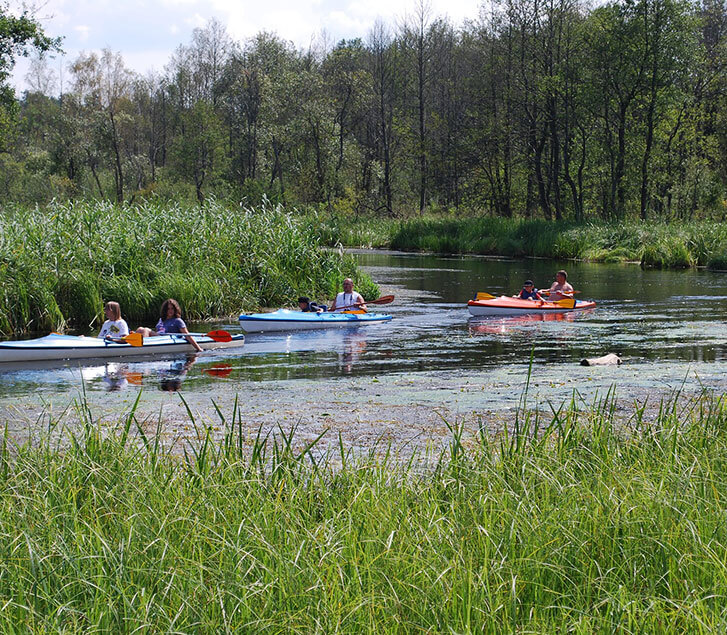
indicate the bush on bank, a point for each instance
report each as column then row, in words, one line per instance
column 569, row 523
column 58, row 264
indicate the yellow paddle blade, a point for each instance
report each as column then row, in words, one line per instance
column 481, row 295
column 359, row 312
column 566, row 303
column 135, row 339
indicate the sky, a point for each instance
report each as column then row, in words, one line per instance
column 146, row 32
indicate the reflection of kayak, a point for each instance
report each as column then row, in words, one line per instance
column 506, row 323
column 505, row 305
column 55, row 346
column 285, row 320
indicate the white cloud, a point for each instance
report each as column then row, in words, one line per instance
column 83, row 31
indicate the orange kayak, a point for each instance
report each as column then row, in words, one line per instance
column 505, row 305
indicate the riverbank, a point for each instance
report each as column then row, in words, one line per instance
column 585, row 526
column 674, row 245
column 59, row 264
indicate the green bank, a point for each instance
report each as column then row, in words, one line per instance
column 672, row 245
column 58, row 264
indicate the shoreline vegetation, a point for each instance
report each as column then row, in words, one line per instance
column 58, row 264
column 662, row 245
column 577, row 520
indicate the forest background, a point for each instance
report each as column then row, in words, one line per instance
column 551, row 110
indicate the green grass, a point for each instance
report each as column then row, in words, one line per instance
column 59, row 264
column 583, row 527
column 660, row 245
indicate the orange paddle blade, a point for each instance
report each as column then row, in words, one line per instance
column 135, row 339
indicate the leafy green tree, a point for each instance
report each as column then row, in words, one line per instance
column 19, row 35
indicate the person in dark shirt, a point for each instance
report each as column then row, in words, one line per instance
column 305, row 305
column 529, row 292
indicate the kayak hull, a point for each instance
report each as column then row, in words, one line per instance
column 56, row 346
column 505, row 305
column 285, row 320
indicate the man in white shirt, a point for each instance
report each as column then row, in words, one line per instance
column 349, row 300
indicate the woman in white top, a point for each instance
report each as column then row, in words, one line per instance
column 345, row 301
column 114, row 326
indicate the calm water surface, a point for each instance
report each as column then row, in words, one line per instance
column 658, row 321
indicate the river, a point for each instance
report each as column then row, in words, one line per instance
column 400, row 381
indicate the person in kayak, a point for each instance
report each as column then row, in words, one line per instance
column 348, row 299
column 170, row 322
column 115, row 327
column 529, row 292
column 560, row 289
column 306, row 306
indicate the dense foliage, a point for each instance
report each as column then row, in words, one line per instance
column 547, row 110
column 58, row 265
column 578, row 528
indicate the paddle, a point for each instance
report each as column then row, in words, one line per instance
column 566, row 303
column 481, row 295
column 137, row 339
column 547, row 291
column 384, row 299
column 219, row 336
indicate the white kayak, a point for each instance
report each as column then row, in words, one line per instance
column 286, row 320
column 56, row 346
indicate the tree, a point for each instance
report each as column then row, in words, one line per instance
column 19, row 35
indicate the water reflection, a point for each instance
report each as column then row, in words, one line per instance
column 112, row 375
column 354, row 345
column 171, row 377
column 506, row 324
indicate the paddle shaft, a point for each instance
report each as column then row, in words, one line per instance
column 137, row 339
column 385, row 299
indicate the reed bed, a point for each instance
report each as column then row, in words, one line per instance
column 660, row 245
column 58, row 264
column 566, row 523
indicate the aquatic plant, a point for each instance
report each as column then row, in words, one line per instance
column 58, row 264
column 663, row 245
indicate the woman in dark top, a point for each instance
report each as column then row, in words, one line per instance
column 170, row 322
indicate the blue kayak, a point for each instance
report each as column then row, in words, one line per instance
column 286, row 320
